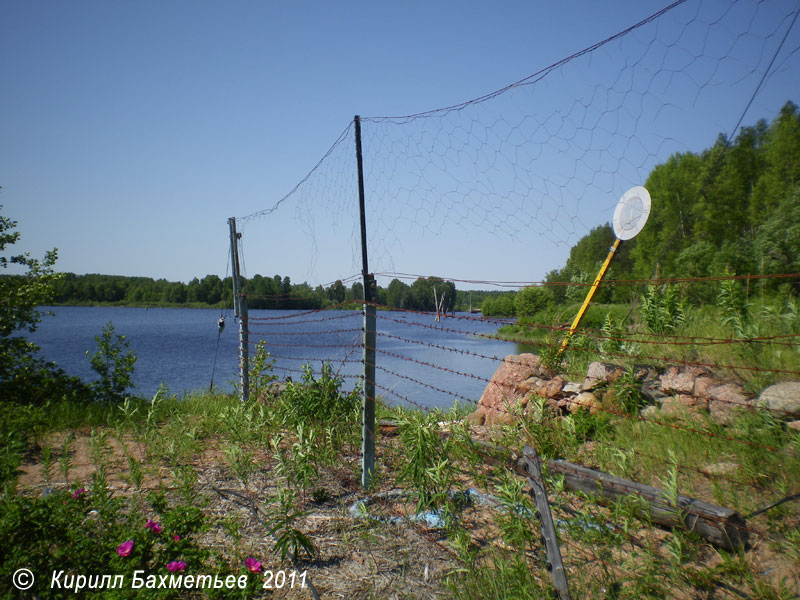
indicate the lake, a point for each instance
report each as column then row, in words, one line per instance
column 419, row 361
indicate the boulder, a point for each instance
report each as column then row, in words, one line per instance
column 794, row 425
column 552, row 388
column 505, row 388
column 584, row 400
column 571, row 388
column 599, row 373
column 530, row 384
column 649, row 413
column 645, row 373
column 704, row 384
column 653, row 392
column 722, row 468
column 682, row 404
column 783, row 398
column 273, row 391
column 724, row 401
column 679, row 380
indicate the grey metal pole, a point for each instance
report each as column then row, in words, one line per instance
column 234, row 265
column 240, row 311
column 244, row 351
column 368, row 412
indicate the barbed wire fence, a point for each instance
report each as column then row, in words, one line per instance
column 529, row 167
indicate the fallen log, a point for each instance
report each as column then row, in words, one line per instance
column 723, row 527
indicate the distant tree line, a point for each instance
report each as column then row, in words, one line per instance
column 262, row 292
column 731, row 209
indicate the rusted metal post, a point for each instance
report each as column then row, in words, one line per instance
column 368, row 410
column 240, row 311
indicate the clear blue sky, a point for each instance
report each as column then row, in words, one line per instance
column 130, row 132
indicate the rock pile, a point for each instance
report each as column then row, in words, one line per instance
column 687, row 390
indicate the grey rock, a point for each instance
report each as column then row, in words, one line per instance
column 783, row 398
column 585, row 400
column 724, row 401
column 722, row 468
column 603, row 372
column 649, row 412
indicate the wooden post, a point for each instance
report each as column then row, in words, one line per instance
column 240, row 311
column 368, row 406
column 556, row 567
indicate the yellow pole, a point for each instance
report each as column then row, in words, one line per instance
column 589, row 296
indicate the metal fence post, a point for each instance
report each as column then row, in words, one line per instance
column 368, row 411
column 244, row 351
column 240, row 311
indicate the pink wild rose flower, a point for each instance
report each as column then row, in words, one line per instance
column 252, row 564
column 175, row 566
column 153, row 526
column 125, row 549
column 77, row 493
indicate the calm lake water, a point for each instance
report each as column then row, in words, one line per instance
column 179, row 348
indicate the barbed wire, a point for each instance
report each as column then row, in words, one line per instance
column 305, row 332
column 599, row 334
column 590, row 406
column 427, row 385
column 565, row 468
column 272, row 322
column 255, row 343
column 315, row 359
column 608, row 282
column 491, row 165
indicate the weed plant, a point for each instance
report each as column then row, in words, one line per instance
column 610, row 551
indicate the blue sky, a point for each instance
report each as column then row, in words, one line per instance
column 130, row 132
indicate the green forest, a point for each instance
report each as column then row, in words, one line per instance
column 733, row 209
column 262, row 292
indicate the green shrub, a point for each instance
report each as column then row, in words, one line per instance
column 428, row 467
column 499, row 306
column 662, row 309
column 24, row 378
column 626, row 390
column 91, row 532
column 735, row 309
column 318, row 401
column 260, row 371
column 532, row 300
column 114, row 363
column 577, row 292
